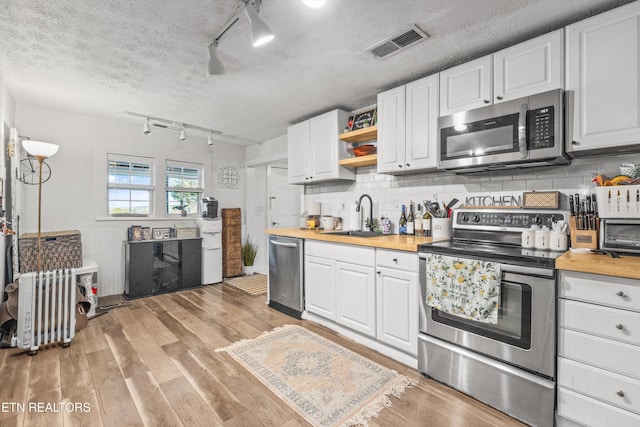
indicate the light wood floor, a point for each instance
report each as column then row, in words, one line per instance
column 153, row 363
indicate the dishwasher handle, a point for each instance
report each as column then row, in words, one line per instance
column 285, row 244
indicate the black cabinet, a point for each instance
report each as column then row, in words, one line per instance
column 158, row 266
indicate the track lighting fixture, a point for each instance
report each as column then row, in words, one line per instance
column 215, row 65
column 172, row 125
column 260, row 32
column 146, row 129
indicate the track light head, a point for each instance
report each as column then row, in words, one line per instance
column 146, row 129
column 183, row 134
column 260, row 32
column 210, row 139
column 216, row 67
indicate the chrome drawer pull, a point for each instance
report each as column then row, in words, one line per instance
column 620, row 393
column 620, row 326
column 395, row 260
column 620, row 294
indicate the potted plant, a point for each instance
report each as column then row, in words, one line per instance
column 249, row 252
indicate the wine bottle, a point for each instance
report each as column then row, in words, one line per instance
column 411, row 222
column 418, row 225
column 402, row 224
column 426, row 223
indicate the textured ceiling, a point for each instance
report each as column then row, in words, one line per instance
column 104, row 57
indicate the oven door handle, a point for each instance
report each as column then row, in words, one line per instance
column 510, row 268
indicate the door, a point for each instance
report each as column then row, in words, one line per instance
column 603, row 64
column 397, row 292
column 466, row 86
column 284, row 199
column 356, row 297
column 391, row 130
column 319, row 286
column 298, row 152
column 422, row 111
column 534, row 66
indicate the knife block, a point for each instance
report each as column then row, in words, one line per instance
column 583, row 238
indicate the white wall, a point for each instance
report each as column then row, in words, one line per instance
column 75, row 196
column 273, row 151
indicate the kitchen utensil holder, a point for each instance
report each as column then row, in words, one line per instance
column 612, row 201
column 583, row 238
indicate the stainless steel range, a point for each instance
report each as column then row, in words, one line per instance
column 509, row 362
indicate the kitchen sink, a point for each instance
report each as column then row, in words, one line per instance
column 354, row 233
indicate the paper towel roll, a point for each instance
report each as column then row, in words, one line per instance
column 313, row 208
column 354, row 218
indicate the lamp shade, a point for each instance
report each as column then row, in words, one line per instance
column 40, row 149
column 216, row 67
column 260, row 32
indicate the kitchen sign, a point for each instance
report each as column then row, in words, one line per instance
column 493, row 201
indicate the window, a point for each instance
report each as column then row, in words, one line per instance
column 130, row 185
column 184, row 187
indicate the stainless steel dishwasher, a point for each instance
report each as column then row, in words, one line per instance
column 286, row 279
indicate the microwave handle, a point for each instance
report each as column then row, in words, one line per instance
column 522, row 130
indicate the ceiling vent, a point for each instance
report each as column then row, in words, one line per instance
column 397, row 42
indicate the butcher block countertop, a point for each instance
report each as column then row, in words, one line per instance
column 625, row 266
column 389, row 241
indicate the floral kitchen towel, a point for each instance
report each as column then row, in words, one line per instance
column 463, row 287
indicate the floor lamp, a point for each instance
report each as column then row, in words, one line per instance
column 40, row 150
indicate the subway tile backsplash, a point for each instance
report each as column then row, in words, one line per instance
column 389, row 192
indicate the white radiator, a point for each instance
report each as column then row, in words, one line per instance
column 46, row 309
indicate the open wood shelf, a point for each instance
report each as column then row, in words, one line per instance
column 355, row 162
column 360, row 135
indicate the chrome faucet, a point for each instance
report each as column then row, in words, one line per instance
column 369, row 222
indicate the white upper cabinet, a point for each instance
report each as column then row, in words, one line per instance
column 466, row 86
column 525, row 69
column 407, row 127
column 603, row 64
column 314, row 149
column 531, row 67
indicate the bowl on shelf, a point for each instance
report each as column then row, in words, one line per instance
column 364, row 150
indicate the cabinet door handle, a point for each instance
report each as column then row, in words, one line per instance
column 408, row 165
column 576, row 143
column 378, row 273
column 499, row 98
column 400, row 166
column 620, row 393
column 620, row 326
column 395, row 260
column 620, row 294
column 486, row 101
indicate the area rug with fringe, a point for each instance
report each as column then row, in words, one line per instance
column 328, row 385
column 256, row 284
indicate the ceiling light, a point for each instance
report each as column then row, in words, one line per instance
column 315, row 3
column 210, row 139
column 146, row 129
column 183, row 134
column 260, row 32
column 215, row 65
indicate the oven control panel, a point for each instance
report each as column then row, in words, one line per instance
column 501, row 219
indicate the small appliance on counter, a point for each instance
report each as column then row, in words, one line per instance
column 313, row 215
column 619, row 209
column 209, row 207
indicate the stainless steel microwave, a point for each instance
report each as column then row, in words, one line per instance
column 620, row 235
column 521, row 132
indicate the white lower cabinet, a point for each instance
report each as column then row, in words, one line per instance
column 319, row 282
column 397, row 306
column 373, row 292
column 598, row 350
column 356, row 297
column 340, row 284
